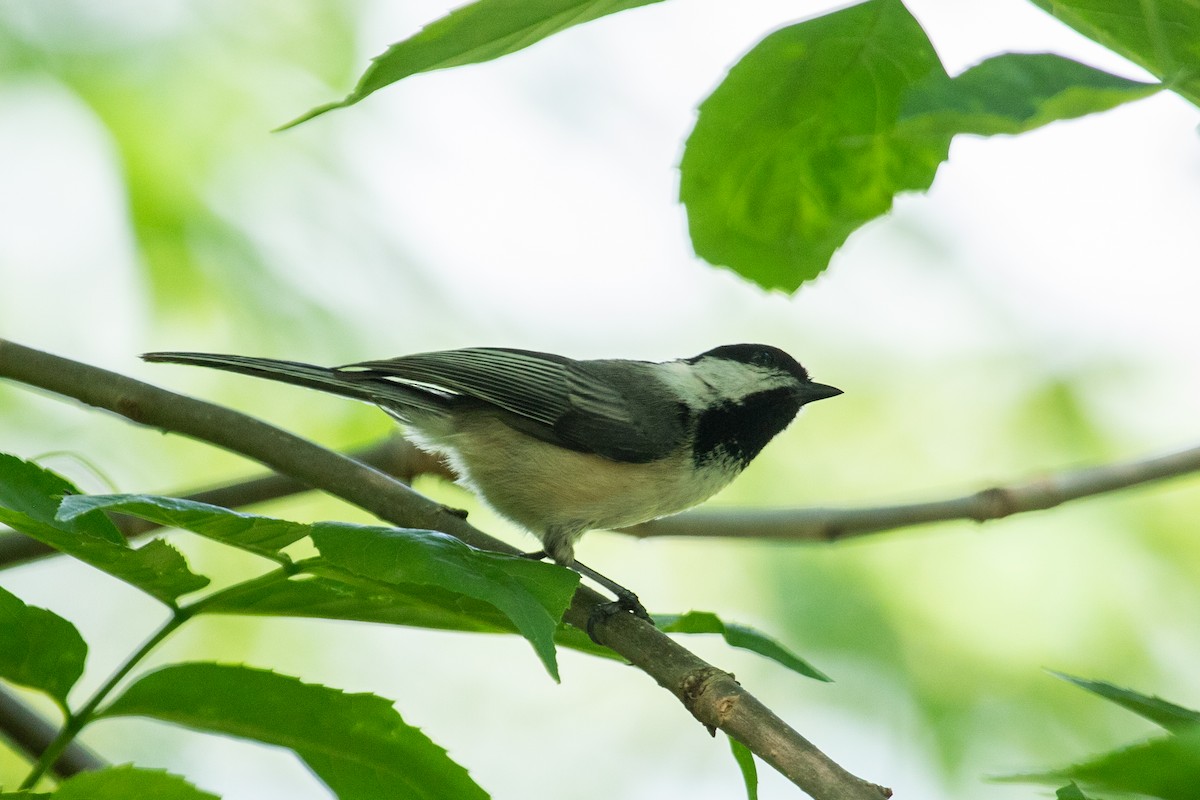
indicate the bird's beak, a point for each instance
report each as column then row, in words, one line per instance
column 811, row 392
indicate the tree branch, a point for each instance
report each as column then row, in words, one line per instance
column 711, row 695
column 394, row 456
column 831, row 524
column 32, row 734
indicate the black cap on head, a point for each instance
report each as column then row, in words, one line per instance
column 765, row 355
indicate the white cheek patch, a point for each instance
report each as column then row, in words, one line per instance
column 717, row 378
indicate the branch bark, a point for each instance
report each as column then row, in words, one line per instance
column 32, row 734
column 711, row 695
column 997, row 502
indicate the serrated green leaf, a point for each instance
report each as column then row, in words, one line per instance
column 265, row 536
column 29, row 500
column 356, row 743
column 1168, row 768
column 1014, row 93
column 36, row 492
column 531, row 594
column 799, row 145
column 156, row 567
column 1070, row 792
column 324, row 596
column 745, row 762
column 1158, row 35
column 39, row 649
column 126, row 782
column 737, row 636
column 1161, row 712
column 481, row 31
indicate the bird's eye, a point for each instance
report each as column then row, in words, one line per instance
column 762, row 358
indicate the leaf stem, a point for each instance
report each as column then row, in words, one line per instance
column 87, row 713
column 76, row 721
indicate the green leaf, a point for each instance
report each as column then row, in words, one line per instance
column 1168, row 768
column 799, row 145
column 39, row 649
column 531, row 594
column 156, row 567
column 36, row 492
column 333, row 595
column 737, row 636
column 337, row 594
column 265, row 536
column 481, row 31
column 745, row 762
column 1170, row 716
column 126, row 782
column 1070, row 792
column 356, row 743
column 29, row 501
column 1014, row 93
column 1158, row 35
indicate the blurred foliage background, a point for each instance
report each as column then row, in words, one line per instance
column 1034, row 312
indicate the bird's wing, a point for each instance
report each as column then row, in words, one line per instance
column 570, row 403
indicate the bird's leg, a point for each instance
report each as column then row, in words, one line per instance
column 626, row 600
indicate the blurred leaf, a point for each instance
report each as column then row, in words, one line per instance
column 737, row 636
column 356, row 743
column 36, row 492
column 1170, row 716
column 745, row 762
column 1168, row 768
column 127, row 781
column 531, row 594
column 798, row 146
column 1014, row 93
column 1160, row 36
column 262, row 535
column 481, row 31
column 1070, row 792
column 39, row 649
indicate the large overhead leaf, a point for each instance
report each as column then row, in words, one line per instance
column 1016, row 92
column 1158, row 35
column 817, row 129
column 480, row 31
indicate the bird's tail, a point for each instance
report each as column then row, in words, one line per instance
column 392, row 396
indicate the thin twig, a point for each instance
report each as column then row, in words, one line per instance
column 831, row 524
column 711, row 695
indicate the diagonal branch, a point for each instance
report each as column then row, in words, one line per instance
column 711, row 695
column 831, row 524
column 394, row 456
column 32, row 734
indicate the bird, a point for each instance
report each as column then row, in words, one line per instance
column 562, row 446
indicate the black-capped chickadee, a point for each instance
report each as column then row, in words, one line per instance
column 561, row 446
